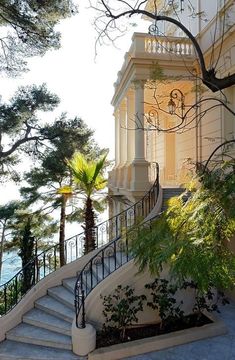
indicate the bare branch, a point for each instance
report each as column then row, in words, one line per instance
column 209, row 77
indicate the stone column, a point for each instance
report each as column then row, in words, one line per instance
column 114, row 173
column 130, row 136
column 130, row 126
column 122, row 143
column 139, row 123
column 140, row 167
column 123, row 132
column 117, row 147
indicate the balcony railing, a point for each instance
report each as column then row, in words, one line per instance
column 165, row 45
column 157, row 47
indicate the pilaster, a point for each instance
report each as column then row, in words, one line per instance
column 117, row 146
column 139, row 165
column 122, row 143
column 130, row 136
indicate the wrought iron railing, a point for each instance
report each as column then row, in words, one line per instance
column 117, row 252
column 110, row 258
column 48, row 261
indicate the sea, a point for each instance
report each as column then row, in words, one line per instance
column 12, row 262
column 11, row 265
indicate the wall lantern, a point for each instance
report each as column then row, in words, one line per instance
column 181, row 5
column 171, row 3
column 171, row 106
column 176, row 102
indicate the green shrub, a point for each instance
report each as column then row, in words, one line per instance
column 163, row 300
column 121, row 309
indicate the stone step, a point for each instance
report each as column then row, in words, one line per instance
column 179, row 189
column 168, row 193
column 69, row 284
column 44, row 320
column 172, row 193
column 54, row 307
column 34, row 335
column 63, row 295
column 12, row 350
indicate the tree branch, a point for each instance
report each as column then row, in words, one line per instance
column 209, row 77
column 4, row 154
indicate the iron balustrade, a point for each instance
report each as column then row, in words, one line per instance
column 117, row 252
column 48, row 261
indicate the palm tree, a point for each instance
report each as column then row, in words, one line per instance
column 88, row 176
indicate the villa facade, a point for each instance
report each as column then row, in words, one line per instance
column 163, row 115
column 161, row 71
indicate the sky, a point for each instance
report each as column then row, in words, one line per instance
column 83, row 83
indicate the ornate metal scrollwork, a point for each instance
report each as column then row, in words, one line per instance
column 109, row 251
column 154, row 30
column 71, row 247
column 121, row 245
column 102, row 233
column 97, row 260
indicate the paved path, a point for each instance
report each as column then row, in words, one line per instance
column 217, row 348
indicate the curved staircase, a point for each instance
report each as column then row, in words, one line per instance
column 45, row 330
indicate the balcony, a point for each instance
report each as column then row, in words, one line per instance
column 148, row 47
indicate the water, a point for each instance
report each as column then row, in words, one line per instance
column 11, row 265
column 12, row 262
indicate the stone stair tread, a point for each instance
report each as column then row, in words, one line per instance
column 54, row 307
column 39, row 336
column 168, row 193
column 13, row 350
column 69, row 283
column 60, row 293
column 42, row 319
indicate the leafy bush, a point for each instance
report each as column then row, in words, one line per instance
column 191, row 238
column 163, row 293
column 121, row 309
column 206, row 301
column 163, row 299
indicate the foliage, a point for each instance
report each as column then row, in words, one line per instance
column 121, row 309
column 28, row 29
column 6, row 213
column 156, row 72
column 20, row 127
column 49, row 183
column 88, row 174
column 192, row 237
column 208, row 300
column 52, row 172
column 163, row 299
column 29, row 233
column 9, row 296
column 26, row 253
column 164, row 292
column 42, row 227
column 22, row 131
column 89, row 180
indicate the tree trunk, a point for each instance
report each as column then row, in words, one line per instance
column 62, row 230
column 89, row 216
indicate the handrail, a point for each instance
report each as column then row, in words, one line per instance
column 48, row 261
column 115, row 253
